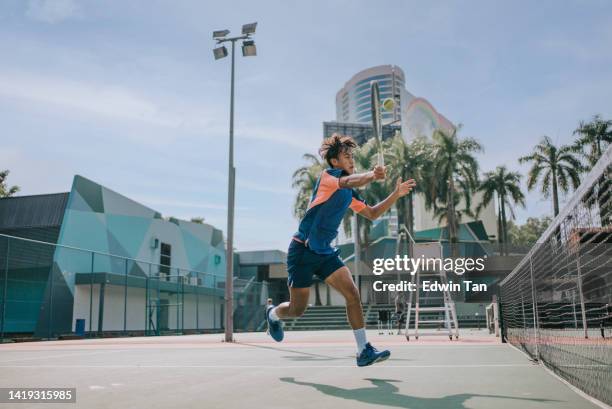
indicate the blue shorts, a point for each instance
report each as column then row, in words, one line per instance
column 302, row 263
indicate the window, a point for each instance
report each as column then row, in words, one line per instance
column 366, row 87
column 263, row 272
column 373, row 78
column 165, row 259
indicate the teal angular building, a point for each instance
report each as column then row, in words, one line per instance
column 112, row 265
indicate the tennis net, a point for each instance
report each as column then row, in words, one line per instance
column 556, row 305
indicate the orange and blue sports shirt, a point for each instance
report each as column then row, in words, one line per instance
column 328, row 204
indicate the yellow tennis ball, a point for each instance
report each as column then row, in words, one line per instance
column 388, row 104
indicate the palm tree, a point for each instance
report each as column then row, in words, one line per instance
column 407, row 160
column 6, row 191
column 305, row 180
column 365, row 159
column 558, row 167
column 596, row 135
column 506, row 186
column 454, row 174
column 442, row 213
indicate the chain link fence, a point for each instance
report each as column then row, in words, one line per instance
column 96, row 294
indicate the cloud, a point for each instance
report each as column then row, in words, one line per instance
column 52, row 11
column 113, row 104
column 261, row 187
column 110, row 101
column 285, row 136
column 119, row 103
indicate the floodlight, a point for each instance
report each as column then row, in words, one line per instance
column 220, row 33
column 249, row 28
column 220, row 52
column 249, row 49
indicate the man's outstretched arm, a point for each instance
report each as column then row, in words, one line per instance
column 362, row 179
column 401, row 189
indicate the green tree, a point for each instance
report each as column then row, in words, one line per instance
column 198, row 220
column 595, row 136
column 304, row 180
column 454, row 174
column 6, row 191
column 366, row 158
column 557, row 166
column 528, row 234
column 506, row 187
column 408, row 160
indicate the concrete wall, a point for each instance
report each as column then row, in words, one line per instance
column 425, row 220
column 208, row 316
column 336, row 297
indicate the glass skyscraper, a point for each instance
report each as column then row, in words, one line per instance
column 353, row 100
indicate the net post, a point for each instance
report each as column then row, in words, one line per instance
column 536, row 328
column 502, row 323
column 581, row 294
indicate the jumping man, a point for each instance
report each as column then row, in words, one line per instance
column 310, row 251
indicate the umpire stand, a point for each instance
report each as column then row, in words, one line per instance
column 446, row 305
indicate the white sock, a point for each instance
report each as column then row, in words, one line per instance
column 273, row 315
column 360, row 338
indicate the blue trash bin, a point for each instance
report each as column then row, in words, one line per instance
column 79, row 328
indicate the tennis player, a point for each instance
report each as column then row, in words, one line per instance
column 311, row 252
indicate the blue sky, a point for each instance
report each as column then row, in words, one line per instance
column 127, row 93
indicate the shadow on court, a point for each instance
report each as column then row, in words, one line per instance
column 301, row 356
column 384, row 392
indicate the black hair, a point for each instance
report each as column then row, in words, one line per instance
column 333, row 146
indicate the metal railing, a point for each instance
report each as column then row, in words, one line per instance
column 50, row 291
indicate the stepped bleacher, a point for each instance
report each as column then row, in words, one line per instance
column 334, row 317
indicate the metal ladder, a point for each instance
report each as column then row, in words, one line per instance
column 430, row 250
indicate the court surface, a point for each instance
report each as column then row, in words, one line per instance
column 307, row 370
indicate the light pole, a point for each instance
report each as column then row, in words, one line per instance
column 248, row 50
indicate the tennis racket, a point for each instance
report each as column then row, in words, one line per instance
column 376, row 120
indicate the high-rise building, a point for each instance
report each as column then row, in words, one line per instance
column 415, row 115
column 353, row 100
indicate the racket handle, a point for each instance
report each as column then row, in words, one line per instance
column 381, row 159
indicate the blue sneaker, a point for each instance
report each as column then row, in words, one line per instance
column 275, row 328
column 371, row 355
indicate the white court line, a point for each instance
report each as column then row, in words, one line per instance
column 348, row 345
column 568, row 384
column 56, row 356
column 265, row 366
